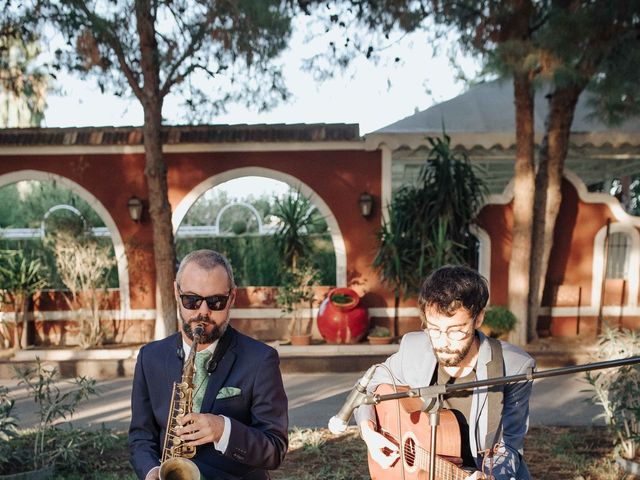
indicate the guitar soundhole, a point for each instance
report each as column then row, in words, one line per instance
column 410, row 452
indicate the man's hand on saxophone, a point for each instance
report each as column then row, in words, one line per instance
column 200, row 428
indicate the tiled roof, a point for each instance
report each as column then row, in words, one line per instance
column 172, row 135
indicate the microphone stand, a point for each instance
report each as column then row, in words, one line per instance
column 437, row 392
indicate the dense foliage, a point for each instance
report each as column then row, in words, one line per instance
column 26, row 204
column 429, row 223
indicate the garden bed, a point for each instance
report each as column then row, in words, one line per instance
column 572, row 453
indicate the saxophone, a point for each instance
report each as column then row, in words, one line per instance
column 175, row 463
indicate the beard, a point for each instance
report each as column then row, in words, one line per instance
column 215, row 333
column 454, row 356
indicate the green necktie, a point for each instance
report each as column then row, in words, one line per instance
column 200, row 379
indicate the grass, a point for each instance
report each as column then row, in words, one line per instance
column 572, row 453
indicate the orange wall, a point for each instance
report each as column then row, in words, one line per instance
column 571, row 261
column 338, row 177
column 112, row 179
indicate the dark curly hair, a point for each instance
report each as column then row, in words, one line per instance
column 452, row 287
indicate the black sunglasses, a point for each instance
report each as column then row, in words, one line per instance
column 214, row 302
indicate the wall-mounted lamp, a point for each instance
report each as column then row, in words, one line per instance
column 135, row 208
column 366, row 204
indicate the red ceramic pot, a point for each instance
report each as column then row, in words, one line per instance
column 341, row 317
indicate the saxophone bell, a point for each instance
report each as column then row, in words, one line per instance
column 179, row 468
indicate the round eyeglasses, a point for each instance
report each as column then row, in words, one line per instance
column 453, row 335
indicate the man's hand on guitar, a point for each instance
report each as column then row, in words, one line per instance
column 383, row 451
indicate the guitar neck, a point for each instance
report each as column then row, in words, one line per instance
column 445, row 470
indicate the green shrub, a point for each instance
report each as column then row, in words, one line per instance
column 8, row 424
column 617, row 390
column 379, row 331
column 44, row 444
column 499, row 320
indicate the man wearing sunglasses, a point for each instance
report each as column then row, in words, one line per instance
column 451, row 350
column 239, row 420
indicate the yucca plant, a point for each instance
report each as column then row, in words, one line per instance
column 21, row 275
column 400, row 259
column 452, row 196
column 428, row 223
column 298, row 219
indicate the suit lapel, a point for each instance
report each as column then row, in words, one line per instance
column 173, row 363
column 219, row 375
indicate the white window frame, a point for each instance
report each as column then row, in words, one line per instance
column 633, row 270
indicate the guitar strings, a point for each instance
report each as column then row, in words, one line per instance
column 398, row 425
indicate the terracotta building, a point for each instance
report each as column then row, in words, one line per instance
column 334, row 165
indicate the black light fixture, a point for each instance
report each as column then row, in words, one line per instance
column 366, row 204
column 135, row 208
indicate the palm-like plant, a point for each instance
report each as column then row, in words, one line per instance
column 453, row 194
column 428, row 223
column 400, row 258
column 22, row 276
column 298, row 218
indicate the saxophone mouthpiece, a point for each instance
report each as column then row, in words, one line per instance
column 198, row 330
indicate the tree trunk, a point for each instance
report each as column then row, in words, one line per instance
column 548, row 192
column 17, row 344
column 21, row 307
column 396, row 318
column 524, row 185
column 156, row 174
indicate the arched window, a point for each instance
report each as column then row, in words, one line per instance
column 619, row 268
column 618, row 255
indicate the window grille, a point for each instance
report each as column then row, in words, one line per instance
column 618, row 255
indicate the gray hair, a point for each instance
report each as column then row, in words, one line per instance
column 208, row 260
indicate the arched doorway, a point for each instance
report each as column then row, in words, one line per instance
column 336, row 236
column 100, row 210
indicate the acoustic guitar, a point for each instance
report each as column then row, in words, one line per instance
column 411, row 432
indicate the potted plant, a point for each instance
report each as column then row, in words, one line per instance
column 617, row 391
column 341, row 317
column 294, row 294
column 41, row 449
column 498, row 321
column 297, row 219
column 379, row 335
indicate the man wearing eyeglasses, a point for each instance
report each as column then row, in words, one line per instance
column 451, row 350
column 239, row 420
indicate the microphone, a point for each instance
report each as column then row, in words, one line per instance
column 338, row 423
column 211, row 365
column 179, row 350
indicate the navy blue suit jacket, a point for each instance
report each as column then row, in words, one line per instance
column 259, row 420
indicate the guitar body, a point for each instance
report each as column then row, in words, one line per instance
column 411, row 431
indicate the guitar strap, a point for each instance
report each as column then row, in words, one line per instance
column 495, row 395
